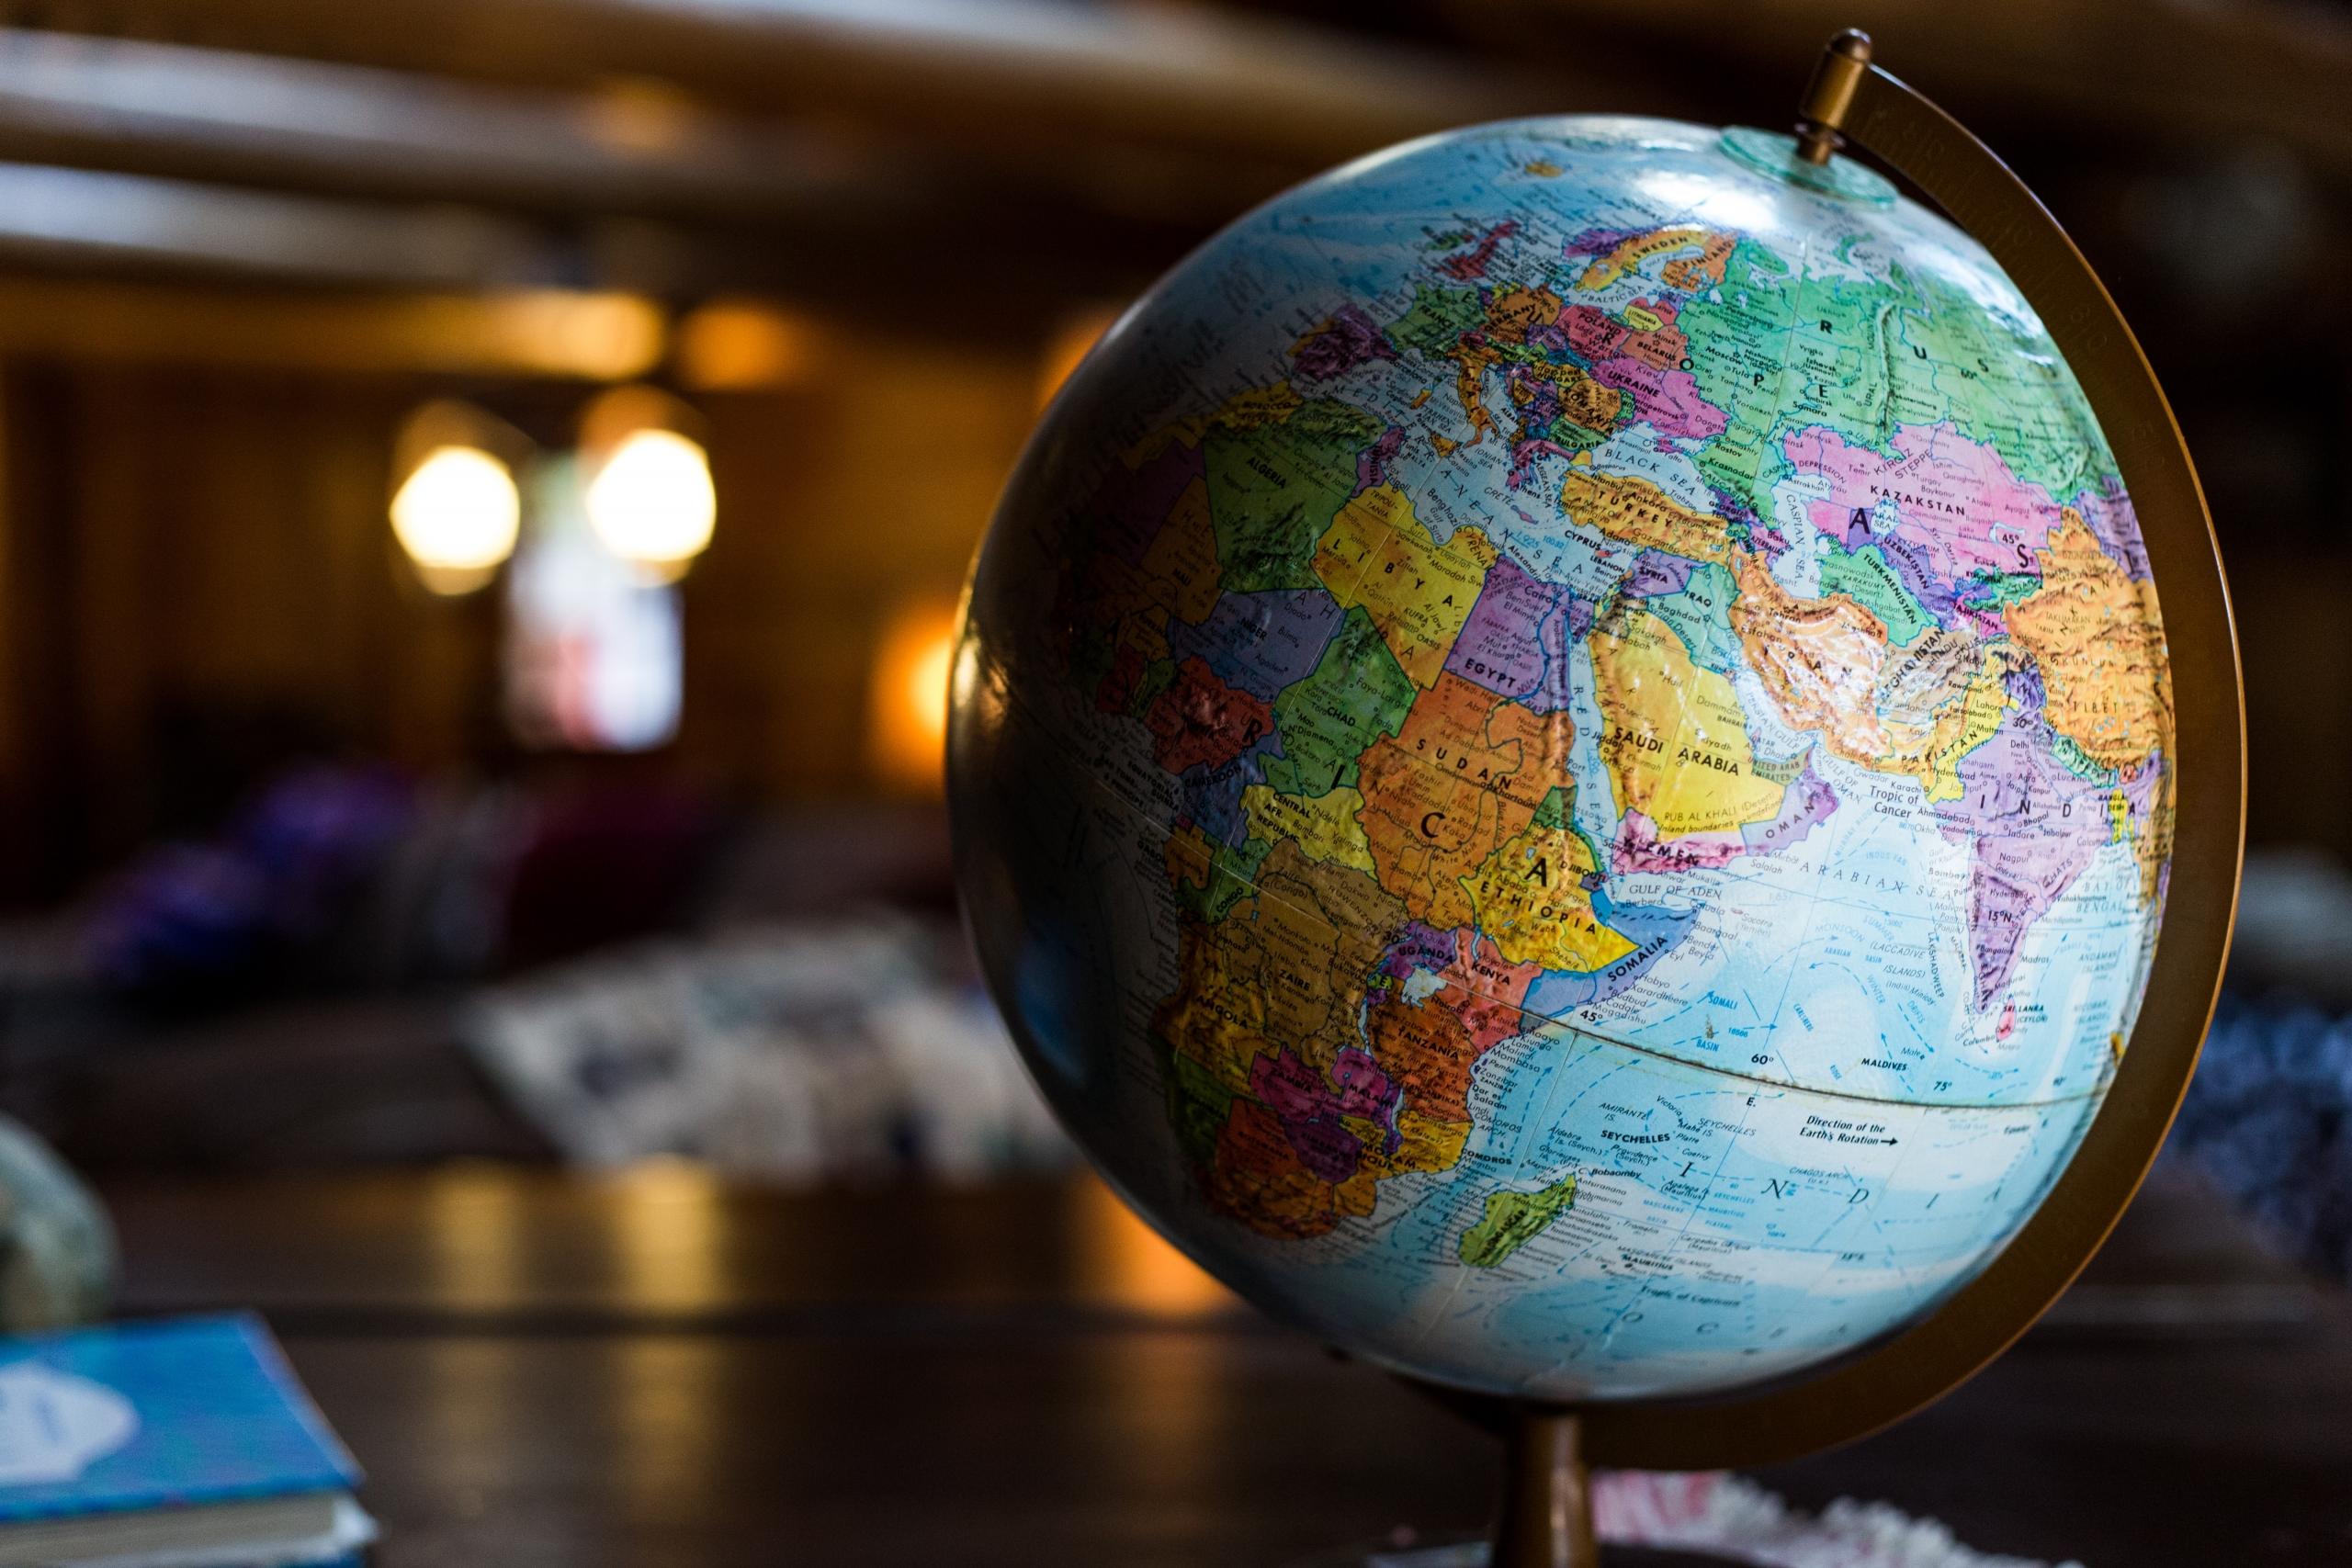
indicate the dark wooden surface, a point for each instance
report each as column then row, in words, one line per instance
column 654, row 1369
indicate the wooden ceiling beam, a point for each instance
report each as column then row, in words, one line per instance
column 209, row 114
column 1042, row 77
column 116, row 222
column 560, row 333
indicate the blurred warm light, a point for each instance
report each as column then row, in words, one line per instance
column 1069, row 344
column 640, row 116
column 666, row 1244
column 457, row 514
column 1135, row 1266
column 907, row 702
column 651, row 501
column 474, row 1239
column 742, row 345
column 601, row 337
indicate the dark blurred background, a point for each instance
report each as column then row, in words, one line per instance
column 332, row 832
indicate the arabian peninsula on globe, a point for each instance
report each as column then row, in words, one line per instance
column 1562, row 759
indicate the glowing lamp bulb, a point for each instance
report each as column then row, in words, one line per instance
column 652, row 502
column 457, row 514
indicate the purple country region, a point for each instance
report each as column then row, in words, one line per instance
column 1598, row 242
column 1639, row 849
column 1372, row 465
column 1523, row 460
column 1804, row 805
column 1912, row 569
column 1421, row 947
column 1366, row 1091
column 1310, row 1115
column 1261, row 642
column 2142, row 781
column 1348, row 339
column 1657, row 575
column 2033, row 828
column 2011, row 884
column 1655, row 932
column 2115, row 526
column 1134, row 503
column 1669, row 401
column 1536, row 397
column 1502, row 645
column 1211, row 793
column 1591, row 334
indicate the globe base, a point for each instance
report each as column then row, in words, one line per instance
column 1545, row 1518
column 1480, row 1554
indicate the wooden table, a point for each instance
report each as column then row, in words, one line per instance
column 654, row 1369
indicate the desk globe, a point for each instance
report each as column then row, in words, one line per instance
column 1600, row 759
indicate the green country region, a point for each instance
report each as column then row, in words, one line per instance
column 1355, row 695
column 1997, row 590
column 1439, row 316
column 1232, row 877
column 1198, row 1105
column 1865, row 358
column 1274, row 488
column 1737, row 337
column 1699, row 613
column 1867, row 578
column 1552, row 812
column 2001, row 384
column 1511, row 1220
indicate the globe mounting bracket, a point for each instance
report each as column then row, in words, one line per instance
column 1829, row 97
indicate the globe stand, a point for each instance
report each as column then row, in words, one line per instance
column 1545, row 1518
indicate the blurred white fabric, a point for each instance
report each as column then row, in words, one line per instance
column 789, row 1054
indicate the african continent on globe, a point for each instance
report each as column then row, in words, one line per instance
column 1562, row 758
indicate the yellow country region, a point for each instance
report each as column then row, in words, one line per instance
column 1511, row 312
column 2100, row 645
column 1531, row 901
column 1638, row 512
column 2152, row 848
column 1184, row 556
column 1377, row 554
column 1216, row 1015
column 1582, row 398
column 1245, row 410
column 1827, row 663
column 1676, row 739
column 1963, row 726
column 1421, row 1145
column 1325, row 825
column 1302, row 981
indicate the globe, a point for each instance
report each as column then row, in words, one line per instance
column 1563, row 760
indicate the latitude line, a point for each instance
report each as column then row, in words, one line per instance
column 1317, row 916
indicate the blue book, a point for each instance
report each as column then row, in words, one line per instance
column 178, row 1444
